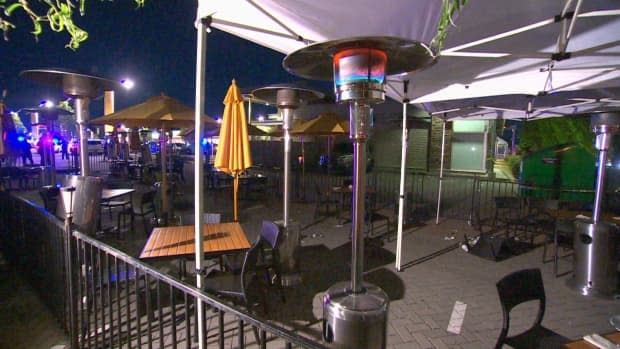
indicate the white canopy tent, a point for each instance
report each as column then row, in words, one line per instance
column 496, row 47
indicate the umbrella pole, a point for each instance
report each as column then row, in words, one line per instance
column 235, row 188
column 164, row 176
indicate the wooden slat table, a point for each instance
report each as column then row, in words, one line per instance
column 582, row 344
column 569, row 214
column 175, row 242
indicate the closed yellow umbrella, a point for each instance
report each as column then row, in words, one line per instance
column 233, row 153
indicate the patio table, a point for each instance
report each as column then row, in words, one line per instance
column 178, row 242
column 107, row 195
column 571, row 214
column 582, row 344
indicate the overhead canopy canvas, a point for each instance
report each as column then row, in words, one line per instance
column 496, row 47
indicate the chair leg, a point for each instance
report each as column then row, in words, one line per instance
column 555, row 254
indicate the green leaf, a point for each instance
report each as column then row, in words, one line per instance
column 11, row 8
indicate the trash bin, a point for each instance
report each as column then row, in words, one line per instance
column 595, row 260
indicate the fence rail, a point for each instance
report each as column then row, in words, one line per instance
column 463, row 196
column 119, row 301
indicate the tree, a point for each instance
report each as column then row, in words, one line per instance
column 58, row 15
column 545, row 133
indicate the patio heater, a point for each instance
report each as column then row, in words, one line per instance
column 354, row 314
column 287, row 97
column 81, row 88
column 595, row 263
column 66, row 195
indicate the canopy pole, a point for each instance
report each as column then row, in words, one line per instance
column 201, row 53
column 443, row 149
column 401, row 191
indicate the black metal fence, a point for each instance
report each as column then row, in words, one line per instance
column 467, row 197
column 118, row 301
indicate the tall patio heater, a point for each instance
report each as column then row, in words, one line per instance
column 81, row 88
column 354, row 313
column 287, row 97
column 595, row 263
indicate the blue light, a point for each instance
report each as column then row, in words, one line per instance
column 21, row 138
column 204, row 141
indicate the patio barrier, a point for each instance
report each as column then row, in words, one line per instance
column 468, row 197
column 120, row 301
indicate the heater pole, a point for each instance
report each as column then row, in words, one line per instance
column 359, row 118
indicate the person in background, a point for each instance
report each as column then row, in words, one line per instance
column 25, row 152
column 41, row 148
column 105, row 148
column 64, row 149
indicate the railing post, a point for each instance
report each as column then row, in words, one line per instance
column 73, row 334
column 474, row 194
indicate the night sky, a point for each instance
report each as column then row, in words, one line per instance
column 154, row 45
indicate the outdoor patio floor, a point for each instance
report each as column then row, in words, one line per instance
column 422, row 295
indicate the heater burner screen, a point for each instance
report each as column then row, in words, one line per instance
column 359, row 64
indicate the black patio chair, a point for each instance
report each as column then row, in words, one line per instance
column 50, row 195
column 538, row 220
column 517, row 288
column 508, row 214
column 270, row 256
column 323, row 199
column 142, row 205
column 562, row 238
column 239, row 287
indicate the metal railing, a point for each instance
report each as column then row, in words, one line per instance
column 467, row 197
column 121, row 302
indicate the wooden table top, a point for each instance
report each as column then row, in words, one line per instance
column 172, row 242
column 582, row 344
column 569, row 214
column 108, row 194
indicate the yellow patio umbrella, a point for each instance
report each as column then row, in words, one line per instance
column 161, row 112
column 233, row 153
column 325, row 124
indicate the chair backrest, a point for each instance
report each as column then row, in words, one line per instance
column 248, row 270
column 507, row 202
column 270, row 233
column 212, row 218
column 147, row 201
column 519, row 287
